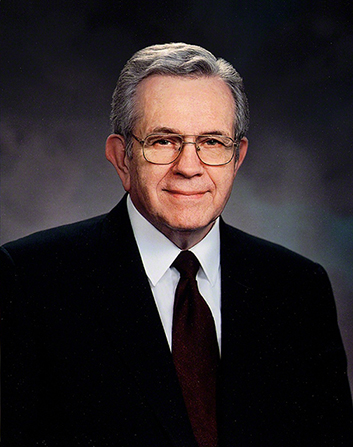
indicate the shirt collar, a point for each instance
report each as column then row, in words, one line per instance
column 158, row 252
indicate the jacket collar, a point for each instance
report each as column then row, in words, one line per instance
column 134, row 330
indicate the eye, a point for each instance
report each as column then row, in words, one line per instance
column 162, row 142
column 211, row 142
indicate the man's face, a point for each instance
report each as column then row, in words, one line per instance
column 187, row 195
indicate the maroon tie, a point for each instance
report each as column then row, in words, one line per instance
column 195, row 351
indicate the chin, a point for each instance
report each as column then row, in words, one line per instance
column 188, row 225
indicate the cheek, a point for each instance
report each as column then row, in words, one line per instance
column 224, row 182
column 147, row 180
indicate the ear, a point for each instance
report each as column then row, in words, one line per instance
column 116, row 154
column 243, row 148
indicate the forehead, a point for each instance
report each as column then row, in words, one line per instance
column 185, row 104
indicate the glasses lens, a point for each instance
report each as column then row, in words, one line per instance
column 215, row 149
column 162, row 149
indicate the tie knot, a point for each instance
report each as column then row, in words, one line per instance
column 187, row 264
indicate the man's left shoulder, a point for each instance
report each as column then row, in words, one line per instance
column 255, row 256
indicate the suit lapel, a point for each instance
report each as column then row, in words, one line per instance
column 237, row 303
column 134, row 328
column 249, row 340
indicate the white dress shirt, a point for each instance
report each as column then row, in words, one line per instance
column 158, row 253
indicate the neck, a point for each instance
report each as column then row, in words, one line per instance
column 185, row 239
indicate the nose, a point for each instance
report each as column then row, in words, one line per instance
column 188, row 163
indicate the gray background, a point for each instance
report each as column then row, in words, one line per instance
column 60, row 64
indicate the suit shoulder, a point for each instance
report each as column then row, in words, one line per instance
column 255, row 252
column 70, row 237
column 277, row 274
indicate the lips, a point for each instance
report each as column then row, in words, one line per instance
column 178, row 192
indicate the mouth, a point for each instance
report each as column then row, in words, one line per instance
column 185, row 194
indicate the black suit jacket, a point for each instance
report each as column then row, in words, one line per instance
column 86, row 361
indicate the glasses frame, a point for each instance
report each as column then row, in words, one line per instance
column 236, row 144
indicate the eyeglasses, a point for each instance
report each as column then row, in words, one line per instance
column 165, row 148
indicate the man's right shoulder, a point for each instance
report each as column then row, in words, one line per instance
column 64, row 236
column 54, row 254
column 75, row 237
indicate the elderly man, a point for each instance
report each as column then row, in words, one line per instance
column 158, row 324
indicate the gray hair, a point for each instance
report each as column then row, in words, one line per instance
column 173, row 59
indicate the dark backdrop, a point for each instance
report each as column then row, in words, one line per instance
column 60, row 63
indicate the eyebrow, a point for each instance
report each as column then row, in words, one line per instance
column 176, row 131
